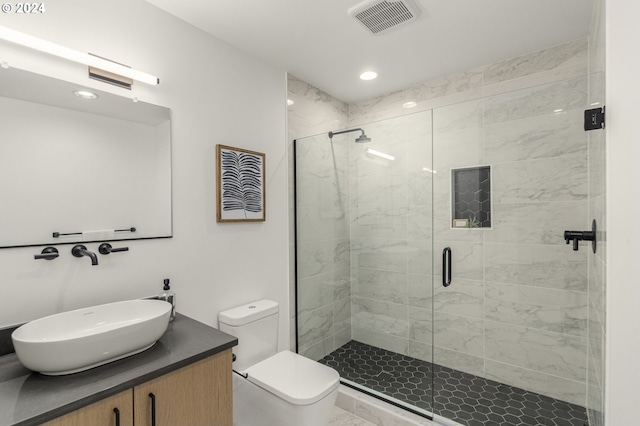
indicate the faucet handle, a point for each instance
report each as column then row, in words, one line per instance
column 48, row 253
column 106, row 248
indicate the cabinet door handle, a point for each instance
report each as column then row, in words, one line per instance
column 446, row 267
column 117, row 413
column 153, row 409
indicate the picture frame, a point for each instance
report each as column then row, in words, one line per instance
column 240, row 185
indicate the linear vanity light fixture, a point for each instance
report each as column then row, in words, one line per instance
column 45, row 46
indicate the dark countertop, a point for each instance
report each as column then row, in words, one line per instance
column 28, row 398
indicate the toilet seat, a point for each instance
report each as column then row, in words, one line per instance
column 294, row 378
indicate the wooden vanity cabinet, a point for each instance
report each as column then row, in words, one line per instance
column 101, row 413
column 198, row 394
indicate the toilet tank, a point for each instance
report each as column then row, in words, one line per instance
column 256, row 327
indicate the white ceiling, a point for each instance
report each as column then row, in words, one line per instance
column 317, row 41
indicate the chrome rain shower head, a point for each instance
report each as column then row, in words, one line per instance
column 360, row 139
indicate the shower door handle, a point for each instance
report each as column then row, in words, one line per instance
column 446, row 267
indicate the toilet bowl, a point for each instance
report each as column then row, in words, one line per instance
column 270, row 387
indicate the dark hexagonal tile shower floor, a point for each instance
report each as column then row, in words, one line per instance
column 465, row 398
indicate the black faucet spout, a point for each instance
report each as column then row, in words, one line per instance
column 80, row 250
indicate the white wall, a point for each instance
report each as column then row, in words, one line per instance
column 623, row 210
column 217, row 95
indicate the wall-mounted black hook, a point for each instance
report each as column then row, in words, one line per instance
column 48, row 253
column 577, row 236
column 106, row 248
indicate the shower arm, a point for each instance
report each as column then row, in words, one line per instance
column 332, row 134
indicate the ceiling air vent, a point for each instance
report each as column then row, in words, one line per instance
column 380, row 17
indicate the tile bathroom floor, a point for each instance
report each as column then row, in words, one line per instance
column 340, row 417
column 469, row 400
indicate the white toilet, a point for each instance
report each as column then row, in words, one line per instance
column 274, row 388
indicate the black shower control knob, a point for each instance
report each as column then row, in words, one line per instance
column 577, row 236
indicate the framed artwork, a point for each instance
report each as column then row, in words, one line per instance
column 240, row 188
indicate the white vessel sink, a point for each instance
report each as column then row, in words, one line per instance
column 78, row 340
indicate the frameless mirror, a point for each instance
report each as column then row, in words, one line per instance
column 75, row 169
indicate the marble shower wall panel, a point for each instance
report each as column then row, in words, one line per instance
column 558, row 311
column 536, row 300
column 316, row 112
column 538, row 137
column 380, row 316
column 313, row 111
column 458, row 310
column 391, row 229
column 427, row 96
column 536, row 223
column 550, row 353
column 457, row 129
column 557, row 63
column 518, row 283
column 457, row 136
column 324, row 247
column 315, row 332
column 537, row 265
column 465, row 299
column 556, row 179
column 381, row 286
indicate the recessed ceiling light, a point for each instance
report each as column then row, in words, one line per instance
column 290, row 102
column 558, row 110
column 368, row 75
column 85, row 94
column 409, row 104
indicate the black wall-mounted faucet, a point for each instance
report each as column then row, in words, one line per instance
column 577, row 236
column 80, row 250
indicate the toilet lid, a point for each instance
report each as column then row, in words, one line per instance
column 294, row 378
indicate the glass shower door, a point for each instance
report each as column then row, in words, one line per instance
column 364, row 248
column 510, row 330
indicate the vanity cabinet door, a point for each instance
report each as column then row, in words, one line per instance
column 101, row 413
column 198, row 394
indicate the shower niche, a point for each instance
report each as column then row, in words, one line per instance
column 471, row 197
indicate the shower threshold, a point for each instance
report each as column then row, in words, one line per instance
column 465, row 398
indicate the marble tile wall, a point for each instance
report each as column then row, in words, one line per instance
column 324, row 306
column 518, row 308
column 390, row 229
column 597, row 193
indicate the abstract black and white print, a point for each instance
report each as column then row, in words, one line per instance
column 240, row 185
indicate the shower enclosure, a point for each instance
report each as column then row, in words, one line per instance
column 431, row 269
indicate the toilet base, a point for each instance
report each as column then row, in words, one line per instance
column 254, row 406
